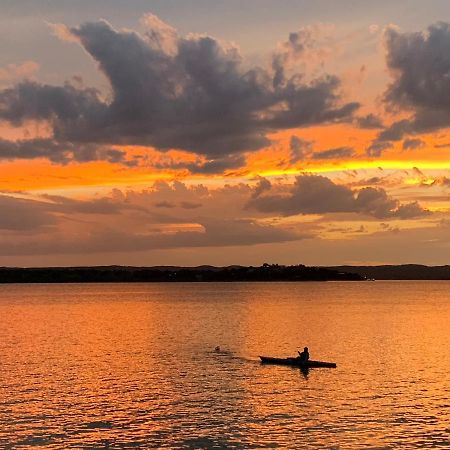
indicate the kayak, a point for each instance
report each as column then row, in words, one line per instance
column 295, row 362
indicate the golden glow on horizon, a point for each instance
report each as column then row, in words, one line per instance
column 275, row 161
column 41, row 175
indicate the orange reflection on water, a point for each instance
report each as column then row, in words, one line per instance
column 121, row 365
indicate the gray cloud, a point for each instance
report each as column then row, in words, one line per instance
column 413, row 144
column 315, row 194
column 309, row 43
column 334, row 153
column 420, row 65
column 300, row 149
column 369, row 121
column 217, row 165
column 395, row 131
column 35, row 148
column 61, row 152
column 377, row 148
column 168, row 91
column 263, row 185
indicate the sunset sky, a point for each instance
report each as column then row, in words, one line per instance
column 196, row 132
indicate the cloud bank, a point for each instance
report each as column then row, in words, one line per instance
column 192, row 93
column 316, row 194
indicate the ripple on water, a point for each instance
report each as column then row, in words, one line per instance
column 123, row 366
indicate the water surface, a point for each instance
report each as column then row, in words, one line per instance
column 133, row 365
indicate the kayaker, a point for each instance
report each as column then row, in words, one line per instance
column 304, row 355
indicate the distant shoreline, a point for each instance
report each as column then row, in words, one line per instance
column 170, row 274
column 264, row 273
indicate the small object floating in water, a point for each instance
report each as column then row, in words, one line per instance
column 295, row 362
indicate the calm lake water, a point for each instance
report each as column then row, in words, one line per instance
column 133, row 365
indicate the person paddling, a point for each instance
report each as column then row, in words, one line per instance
column 304, row 355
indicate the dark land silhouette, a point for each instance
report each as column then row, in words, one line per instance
column 111, row 274
column 398, row 272
column 266, row 272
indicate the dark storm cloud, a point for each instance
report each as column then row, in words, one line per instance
column 334, row 153
column 315, row 194
column 168, row 91
column 420, row 65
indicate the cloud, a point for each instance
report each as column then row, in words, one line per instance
column 67, row 107
column 102, row 206
column 334, row 153
column 164, row 204
column 62, row 32
column 262, row 185
column 444, row 145
column 60, row 152
column 419, row 63
column 377, row 148
column 159, row 34
column 310, row 44
column 13, row 72
column 315, row 194
column 171, row 92
column 190, row 205
column 177, row 215
column 215, row 233
column 310, row 194
column 300, row 149
column 24, row 215
column 369, row 121
column 217, row 165
column 413, row 144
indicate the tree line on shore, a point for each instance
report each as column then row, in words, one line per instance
column 108, row 274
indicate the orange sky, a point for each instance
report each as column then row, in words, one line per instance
column 259, row 185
